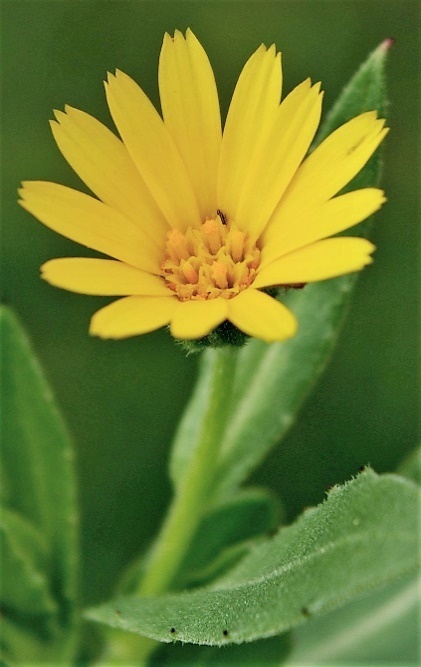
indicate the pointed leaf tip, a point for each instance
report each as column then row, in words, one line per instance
column 387, row 43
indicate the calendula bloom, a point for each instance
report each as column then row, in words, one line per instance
column 199, row 223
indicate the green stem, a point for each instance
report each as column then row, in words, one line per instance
column 195, row 491
column 190, row 503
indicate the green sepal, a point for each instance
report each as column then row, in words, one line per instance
column 225, row 334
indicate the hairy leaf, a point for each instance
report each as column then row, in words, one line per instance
column 363, row 536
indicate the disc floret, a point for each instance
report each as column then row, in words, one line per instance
column 215, row 260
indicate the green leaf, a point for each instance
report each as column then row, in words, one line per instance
column 25, row 587
column 363, row 536
column 226, row 533
column 380, row 629
column 40, row 516
column 272, row 381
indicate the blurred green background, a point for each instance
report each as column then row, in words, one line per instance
column 122, row 399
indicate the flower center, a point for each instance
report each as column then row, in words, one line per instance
column 215, row 260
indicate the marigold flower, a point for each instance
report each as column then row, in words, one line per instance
column 199, row 223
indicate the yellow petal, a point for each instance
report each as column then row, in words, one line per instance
column 325, row 220
column 190, row 107
column 334, row 163
column 197, row 318
column 90, row 222
column 278, row 157
column 132, row 316
column 104, row 164
column 250, row 118
column 318, row 261
column 261, row 316
column 102, row 276
column 152, row 150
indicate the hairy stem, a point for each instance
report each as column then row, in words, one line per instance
column 195, row 492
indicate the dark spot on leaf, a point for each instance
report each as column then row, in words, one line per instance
column 172, row 630
column 118, row 612
column 225, row 633
column 305, row 611
column 362, row 468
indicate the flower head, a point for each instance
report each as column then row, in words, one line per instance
column 200, row 223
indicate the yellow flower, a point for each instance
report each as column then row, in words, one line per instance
column 199, row 222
